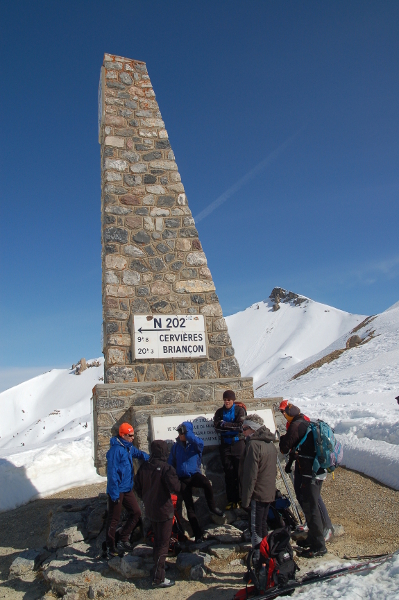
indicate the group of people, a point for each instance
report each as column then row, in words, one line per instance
column 249, row 458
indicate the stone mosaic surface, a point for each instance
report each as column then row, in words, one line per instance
column 153, row 261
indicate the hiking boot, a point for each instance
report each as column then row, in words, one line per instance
column 122, row 546
column 218, row 512
column 313, row 553
column 164, row 584
column 109, row 553
column 230, row 506
column 328, row 534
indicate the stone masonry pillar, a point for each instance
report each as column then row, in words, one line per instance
column 152, row 259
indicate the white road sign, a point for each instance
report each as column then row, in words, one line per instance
column 169, row 336
column 164, row 428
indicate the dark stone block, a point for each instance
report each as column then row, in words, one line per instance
column 109, row 199
column 215, row 352
column 143, row 291
column 124, row 306
column 120, row 375
column 158, row 172
column 155, row 372
column 124, row 95
column 132, row 157
column 228, row 367
column 196, row 245
column 158, row 306
column 163, row 248
column 189, row 273
column 141, row 147
column 172, row 223
column 207, row 371
column 116, row 189
column 176, row 266
column 162, row 144
column 142, row 210
column 164, row 180
column 143, row 400
column 110, row 403
column 141, row 237
column 131, row 104
column 197, row 299
column 169, row 257
column 133, row 123
column 212, row 297
column 125, row 112
column 108, row 151
column 169, row 234
column 137, row 265
column 149, row 250
column 115, row 234
column 157, row 264
column 203, row 393
column 125, row 78
column 166, row 201
column 229, row 351
column 140, row 306
column 152, row 155
column 185, row 370
column 170, row 397
column 125, row 132
column 110, row 249
column 109, row 219
column 112, row 327
column 132, row 180
column 188, row 232
column 149, row 179
column 116, row 85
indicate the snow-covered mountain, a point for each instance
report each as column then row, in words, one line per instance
column 277, row 333
column 46, row 425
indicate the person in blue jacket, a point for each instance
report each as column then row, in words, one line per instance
column 185, row 456
column 120, row 488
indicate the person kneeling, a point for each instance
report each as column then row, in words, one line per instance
column 258, row 470
column 185, row 456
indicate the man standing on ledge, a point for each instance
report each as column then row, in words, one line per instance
column 228, row 421
column 120, row 488
column 185, row 456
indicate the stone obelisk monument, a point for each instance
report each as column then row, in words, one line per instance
column 166, row 345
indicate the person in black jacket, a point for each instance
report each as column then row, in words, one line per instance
column 154, row 483
column 228, row 421
column 310, row 487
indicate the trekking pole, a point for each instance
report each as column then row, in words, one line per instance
column 293, row 503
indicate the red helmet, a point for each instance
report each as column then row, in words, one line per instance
column 283, row 405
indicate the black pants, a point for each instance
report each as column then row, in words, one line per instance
column 259, row 528
column 325, row 517
column 230, row 455
column 310, row 498
column 128, row 501
column 162, row 532
column 198, row 481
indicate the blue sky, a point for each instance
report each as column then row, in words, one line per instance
column 286, row 111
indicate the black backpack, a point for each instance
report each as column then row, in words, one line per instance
column 273, row 564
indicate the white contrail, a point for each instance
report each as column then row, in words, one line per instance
column 236, row 186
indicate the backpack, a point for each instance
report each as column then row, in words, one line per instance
column 275, row 565
column 242, row 406
column 329, row 452
column 280, row 514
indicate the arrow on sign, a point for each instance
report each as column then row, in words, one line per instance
column 141, row 330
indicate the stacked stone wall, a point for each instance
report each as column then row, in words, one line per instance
column 153, row 261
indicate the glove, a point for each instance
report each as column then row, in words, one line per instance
column 288, row 467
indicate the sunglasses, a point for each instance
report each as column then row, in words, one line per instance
column 245, row 428
column 130, row 434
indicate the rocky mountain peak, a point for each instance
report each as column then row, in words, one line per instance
column 281, row 295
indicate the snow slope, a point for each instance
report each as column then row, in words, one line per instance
column 45, row 435
column 354, row 393
column 268, row 341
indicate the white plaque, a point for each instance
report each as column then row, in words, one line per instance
column 169, row 336
column 164, row 428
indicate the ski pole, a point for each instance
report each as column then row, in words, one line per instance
column 293, row 503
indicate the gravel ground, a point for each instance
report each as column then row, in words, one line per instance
column 368, row 511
